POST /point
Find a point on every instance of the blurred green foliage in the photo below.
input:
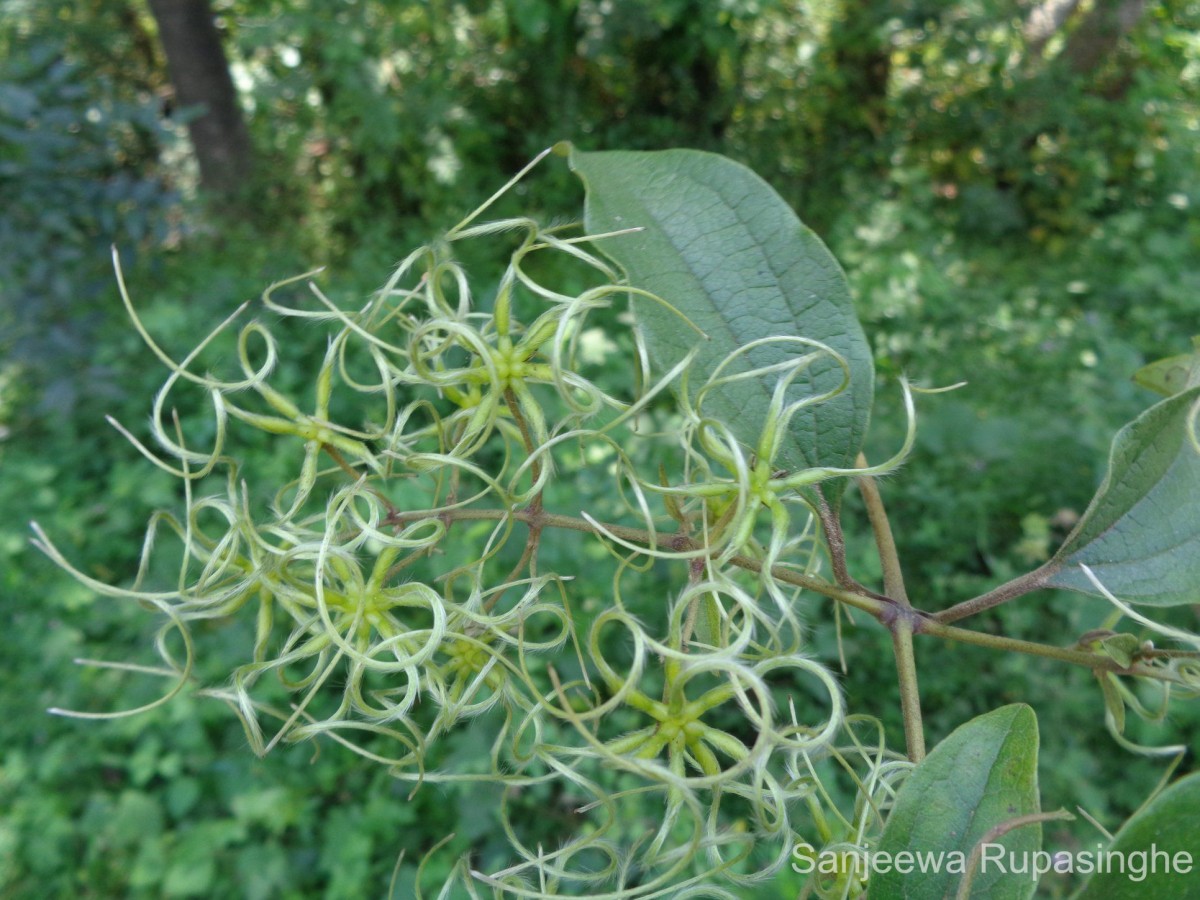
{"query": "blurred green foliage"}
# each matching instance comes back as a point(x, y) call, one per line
point(78, 173)
point(1004, 218)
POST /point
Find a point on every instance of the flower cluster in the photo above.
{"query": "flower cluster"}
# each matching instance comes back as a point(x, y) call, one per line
point(396, 587)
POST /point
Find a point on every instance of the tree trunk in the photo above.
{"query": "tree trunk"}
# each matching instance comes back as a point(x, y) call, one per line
point(1045, 21)
point(200, 75)
point(1097, 36)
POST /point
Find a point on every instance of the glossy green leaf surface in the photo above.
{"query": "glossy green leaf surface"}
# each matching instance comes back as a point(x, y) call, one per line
point(1141, 534)
point(1155, 854)
point(719, 245)
point(981, 776)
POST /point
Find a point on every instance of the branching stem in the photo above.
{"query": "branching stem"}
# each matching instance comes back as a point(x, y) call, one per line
point(1010, 590)
point(902, 625)
point(1100, 662)
point(539, 518)
point(921, 622)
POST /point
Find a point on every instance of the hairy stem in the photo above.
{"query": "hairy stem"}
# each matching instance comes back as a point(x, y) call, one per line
point(893, 576)
point(921, 622)
point(541, 519)
point(1097, 662)
point(910, 695)
point(1010, 590)
point(835, 541)
point(902, 626)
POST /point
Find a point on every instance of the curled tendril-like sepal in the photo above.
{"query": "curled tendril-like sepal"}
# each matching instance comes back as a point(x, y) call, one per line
point(397, 578)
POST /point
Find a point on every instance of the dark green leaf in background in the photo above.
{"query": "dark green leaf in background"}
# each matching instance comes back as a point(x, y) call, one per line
point(983, 775)
point(723, 248)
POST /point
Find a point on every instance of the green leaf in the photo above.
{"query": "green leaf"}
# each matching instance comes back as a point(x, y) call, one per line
point(1121, 648)
point(1166, 832)
point(1171, 375)
point(1141, 534)
point(723, 248)
point(983, 775)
